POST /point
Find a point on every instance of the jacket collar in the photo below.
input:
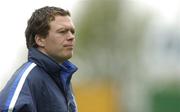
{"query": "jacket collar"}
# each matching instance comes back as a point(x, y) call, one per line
point(49, 64)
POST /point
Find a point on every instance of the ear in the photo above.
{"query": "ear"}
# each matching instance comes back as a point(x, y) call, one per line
point(40, 41)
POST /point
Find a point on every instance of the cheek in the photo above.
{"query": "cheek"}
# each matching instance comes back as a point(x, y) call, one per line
point(57, 41)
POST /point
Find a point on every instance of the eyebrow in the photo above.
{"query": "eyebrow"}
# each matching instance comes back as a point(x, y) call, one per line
point(66, 28)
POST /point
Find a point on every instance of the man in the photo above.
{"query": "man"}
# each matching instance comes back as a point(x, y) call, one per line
point(43, 83)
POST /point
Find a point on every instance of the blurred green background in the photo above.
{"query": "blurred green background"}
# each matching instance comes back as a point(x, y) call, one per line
point(128, 56)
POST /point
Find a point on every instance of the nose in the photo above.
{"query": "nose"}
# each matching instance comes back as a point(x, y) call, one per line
point(70, 35)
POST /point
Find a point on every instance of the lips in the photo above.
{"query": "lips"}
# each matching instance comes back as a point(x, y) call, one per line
point(68, 45)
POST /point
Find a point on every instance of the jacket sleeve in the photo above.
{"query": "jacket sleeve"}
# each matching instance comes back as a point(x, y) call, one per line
point(25, 101)
point(22, 102)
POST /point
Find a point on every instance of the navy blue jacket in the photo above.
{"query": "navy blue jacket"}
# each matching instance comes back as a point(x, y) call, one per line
point(39, 85)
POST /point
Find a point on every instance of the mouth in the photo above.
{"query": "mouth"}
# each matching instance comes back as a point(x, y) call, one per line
point(69, 46)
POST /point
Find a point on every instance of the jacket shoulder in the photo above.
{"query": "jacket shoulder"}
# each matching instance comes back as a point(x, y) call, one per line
point(37, 76)
point(11, 91)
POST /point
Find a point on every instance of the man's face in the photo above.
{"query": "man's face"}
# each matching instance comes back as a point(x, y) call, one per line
point(60, 40)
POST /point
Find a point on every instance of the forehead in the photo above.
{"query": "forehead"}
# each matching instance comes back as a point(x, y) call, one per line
point(62, 21)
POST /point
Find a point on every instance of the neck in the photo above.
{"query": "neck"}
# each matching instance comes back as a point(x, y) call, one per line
point(55, 59)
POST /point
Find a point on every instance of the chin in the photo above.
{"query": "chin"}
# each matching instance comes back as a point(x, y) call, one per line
point(68, 56)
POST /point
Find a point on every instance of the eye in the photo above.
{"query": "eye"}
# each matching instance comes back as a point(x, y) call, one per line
point(63, 31)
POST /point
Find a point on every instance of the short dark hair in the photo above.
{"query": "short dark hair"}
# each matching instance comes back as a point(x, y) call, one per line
point(39, 23)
